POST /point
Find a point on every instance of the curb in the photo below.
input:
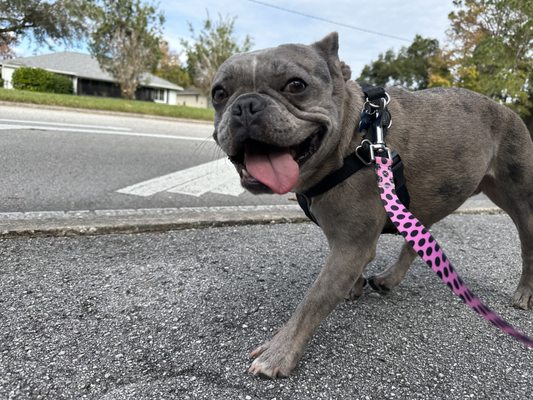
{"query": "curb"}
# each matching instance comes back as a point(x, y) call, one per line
point(58, 223)
point(101, 222)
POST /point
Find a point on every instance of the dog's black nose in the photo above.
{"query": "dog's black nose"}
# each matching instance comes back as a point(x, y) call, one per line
point(247, 107)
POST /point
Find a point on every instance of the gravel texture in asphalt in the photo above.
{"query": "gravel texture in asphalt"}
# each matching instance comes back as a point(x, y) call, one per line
point(174, 315)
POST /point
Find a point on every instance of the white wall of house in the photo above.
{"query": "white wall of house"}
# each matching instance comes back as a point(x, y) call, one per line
point(7, 76)
point(172, 97)
point(74, 84)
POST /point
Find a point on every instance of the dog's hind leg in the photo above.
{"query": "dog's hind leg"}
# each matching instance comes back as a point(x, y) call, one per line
point(523, 296)
point(510, 186)
point(519, 206)
point(392, 276)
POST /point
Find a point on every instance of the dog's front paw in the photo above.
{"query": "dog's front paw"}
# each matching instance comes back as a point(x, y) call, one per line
point(274, 359)
point(523, 297)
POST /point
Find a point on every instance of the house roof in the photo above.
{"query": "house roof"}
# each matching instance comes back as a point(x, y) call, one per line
point(83, 66)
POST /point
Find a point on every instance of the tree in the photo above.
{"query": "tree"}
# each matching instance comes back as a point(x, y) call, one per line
point(492, 50)
point(418, 66)
point(126, 41)
point(213, 45)
point(170, 67)
point(45, 22)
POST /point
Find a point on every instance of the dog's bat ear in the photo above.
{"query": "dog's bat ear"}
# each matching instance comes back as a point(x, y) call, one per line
point(328, 46)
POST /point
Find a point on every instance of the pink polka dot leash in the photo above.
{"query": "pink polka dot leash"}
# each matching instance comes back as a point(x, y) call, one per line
point(421, 240)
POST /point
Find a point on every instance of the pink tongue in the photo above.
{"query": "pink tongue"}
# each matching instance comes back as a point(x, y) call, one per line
point(277, 170)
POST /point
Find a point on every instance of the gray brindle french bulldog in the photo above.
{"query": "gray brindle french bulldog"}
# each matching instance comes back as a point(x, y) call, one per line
point(287, 117)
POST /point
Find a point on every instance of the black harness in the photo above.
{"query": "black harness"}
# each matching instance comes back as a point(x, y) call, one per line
point(374, 122)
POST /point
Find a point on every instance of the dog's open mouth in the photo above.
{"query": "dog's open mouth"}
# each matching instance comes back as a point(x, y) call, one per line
point(266, 168)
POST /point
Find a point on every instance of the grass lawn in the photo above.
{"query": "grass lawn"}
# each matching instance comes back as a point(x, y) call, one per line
point(103, 103)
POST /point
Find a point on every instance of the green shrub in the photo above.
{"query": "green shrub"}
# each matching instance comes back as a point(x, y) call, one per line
point(33, 79)
point(60, 84)
point(1, 82)
point(40, 80)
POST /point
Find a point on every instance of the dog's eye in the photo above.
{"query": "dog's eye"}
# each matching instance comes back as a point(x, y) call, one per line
point(219, 95)
point(295, 86)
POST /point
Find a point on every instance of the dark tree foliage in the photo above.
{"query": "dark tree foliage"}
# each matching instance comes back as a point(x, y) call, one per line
point(412, 66)
point(45, 22)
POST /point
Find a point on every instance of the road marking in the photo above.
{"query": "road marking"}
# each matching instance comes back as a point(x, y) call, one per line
point(9, 127)
point(22, 121)
point(104, 132)
point(218, 176)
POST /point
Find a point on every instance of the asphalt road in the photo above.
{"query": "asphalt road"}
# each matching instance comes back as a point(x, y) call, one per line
point(173, 316)
point(63, 160)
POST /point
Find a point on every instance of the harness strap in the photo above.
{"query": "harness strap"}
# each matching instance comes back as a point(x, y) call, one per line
point(421, 240)
point(351, 165)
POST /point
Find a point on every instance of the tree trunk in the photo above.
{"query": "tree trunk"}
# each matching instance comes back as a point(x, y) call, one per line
point(128, 92)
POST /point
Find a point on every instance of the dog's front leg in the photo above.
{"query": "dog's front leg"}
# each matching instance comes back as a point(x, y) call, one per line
point(279, 356)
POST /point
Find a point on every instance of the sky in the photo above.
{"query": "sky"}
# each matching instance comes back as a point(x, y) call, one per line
point(270, 26)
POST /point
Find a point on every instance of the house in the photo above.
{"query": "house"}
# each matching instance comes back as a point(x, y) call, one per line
point(192, 97)
point(89, 79)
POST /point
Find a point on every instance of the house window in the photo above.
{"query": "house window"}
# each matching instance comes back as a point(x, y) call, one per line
point(158, 94)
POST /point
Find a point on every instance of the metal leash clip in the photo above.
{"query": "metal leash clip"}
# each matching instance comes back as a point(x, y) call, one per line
point(372, 116)
point(371, 149)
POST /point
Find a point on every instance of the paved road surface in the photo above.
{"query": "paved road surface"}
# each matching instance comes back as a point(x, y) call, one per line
point(173, 316)
point(55, 160)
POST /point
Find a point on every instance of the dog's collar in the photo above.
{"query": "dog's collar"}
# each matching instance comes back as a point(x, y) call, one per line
point(374, 130)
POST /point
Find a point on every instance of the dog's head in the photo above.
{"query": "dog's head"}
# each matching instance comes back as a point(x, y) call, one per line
point(278, 112)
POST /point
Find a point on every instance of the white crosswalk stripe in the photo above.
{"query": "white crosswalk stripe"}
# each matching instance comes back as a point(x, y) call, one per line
point(217, 176)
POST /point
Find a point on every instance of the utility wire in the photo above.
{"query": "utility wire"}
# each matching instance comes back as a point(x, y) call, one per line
point(329, 21)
